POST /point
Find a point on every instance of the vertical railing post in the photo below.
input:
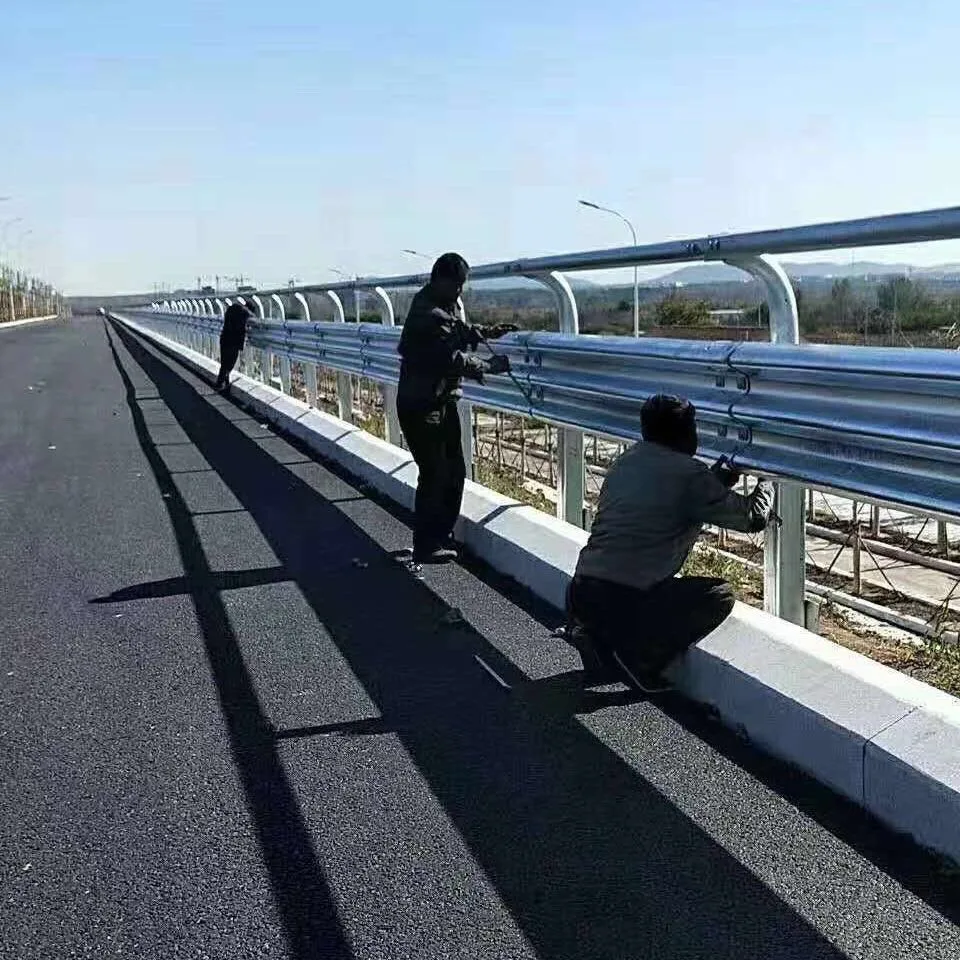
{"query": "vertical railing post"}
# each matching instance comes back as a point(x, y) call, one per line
point(309, 369)
point(284, 362)
point(344, 380)
point(250, 353)
point(389, 390)
point(785, 543)
point(570, 477)
point(465, 410)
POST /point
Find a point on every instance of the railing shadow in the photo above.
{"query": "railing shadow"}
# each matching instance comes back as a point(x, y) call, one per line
point(589, 858)
point(302, 896)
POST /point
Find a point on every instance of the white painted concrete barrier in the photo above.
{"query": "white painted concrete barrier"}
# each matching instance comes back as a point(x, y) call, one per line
point(10, 324)
point(886, 741)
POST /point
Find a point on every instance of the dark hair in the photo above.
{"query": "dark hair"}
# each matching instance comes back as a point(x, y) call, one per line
point(450, 266)
point(238, 311)
point(671, 422)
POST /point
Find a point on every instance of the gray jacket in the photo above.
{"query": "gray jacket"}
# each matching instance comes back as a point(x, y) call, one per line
point(653, 506)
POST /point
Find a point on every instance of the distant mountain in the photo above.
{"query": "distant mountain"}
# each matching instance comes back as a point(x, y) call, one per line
point(705, 273)
point(519, 282)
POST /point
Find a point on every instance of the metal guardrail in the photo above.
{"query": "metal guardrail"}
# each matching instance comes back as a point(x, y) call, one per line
point(872, 422)
point(879, 424)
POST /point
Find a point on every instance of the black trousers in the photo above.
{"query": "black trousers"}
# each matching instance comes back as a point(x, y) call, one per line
point(648, 628)
point(433, 437)
point(230, 348)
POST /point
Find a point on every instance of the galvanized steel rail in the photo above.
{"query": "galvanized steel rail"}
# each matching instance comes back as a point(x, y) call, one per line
point(881, 424)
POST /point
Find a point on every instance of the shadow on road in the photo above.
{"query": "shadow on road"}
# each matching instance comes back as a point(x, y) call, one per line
point(303, 898)
point(590, 859)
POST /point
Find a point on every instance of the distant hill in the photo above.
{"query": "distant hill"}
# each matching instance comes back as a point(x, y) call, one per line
point(519, 282)
point(709, 273)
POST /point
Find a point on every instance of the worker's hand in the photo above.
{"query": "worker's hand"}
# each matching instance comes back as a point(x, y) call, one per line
point(501, 330)
point(726, 473)
point(498, 364)
point(472, 336)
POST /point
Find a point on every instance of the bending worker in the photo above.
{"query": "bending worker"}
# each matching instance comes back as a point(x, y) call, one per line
point(629, 614)
point(435, 351)
point(231, 340)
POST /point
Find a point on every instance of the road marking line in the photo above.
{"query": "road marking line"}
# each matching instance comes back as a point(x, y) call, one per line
point(493, 673)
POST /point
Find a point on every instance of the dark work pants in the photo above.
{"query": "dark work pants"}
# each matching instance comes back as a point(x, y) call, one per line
point(648, 628)
point(433, 437)
point(230, 348)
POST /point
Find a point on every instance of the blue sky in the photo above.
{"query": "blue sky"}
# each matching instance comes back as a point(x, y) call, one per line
point(152, 143)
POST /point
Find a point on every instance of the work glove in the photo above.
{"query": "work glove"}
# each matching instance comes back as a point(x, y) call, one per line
point(472, 336)
point(498, 364)
point(726, 473)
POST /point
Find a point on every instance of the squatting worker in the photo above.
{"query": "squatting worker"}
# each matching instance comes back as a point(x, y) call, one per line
point(435, 354)
point(231, 340)
point(629, 614)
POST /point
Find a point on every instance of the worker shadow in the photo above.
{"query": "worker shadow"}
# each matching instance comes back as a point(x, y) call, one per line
point(564, 695)
point(590, 859)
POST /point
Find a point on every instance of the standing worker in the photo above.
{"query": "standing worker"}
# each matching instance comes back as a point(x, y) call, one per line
point(434, 358)
point(231, 340)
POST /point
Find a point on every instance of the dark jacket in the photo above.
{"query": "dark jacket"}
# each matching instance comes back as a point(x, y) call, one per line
point(434, 355)
point(235, 324)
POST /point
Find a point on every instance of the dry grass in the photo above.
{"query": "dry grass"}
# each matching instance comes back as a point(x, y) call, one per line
point(935, 663)
point(508, 483)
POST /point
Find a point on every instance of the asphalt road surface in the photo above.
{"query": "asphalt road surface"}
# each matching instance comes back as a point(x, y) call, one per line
point(232, 725)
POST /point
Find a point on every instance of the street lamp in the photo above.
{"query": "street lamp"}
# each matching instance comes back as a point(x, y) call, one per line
point(636, 282)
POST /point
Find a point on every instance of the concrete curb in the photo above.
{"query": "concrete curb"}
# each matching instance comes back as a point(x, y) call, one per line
point(10, 324)
point(886, 741)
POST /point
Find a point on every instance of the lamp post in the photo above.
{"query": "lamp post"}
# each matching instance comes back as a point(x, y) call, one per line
point(636, 282)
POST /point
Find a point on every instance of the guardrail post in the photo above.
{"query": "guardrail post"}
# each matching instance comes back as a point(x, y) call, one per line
point(217, 311)
point(344, 380)
point(249, 353)
point(570, 479)
point(465, 411)
point(389, 390)
point(309, 369)
point(784, 549)
point(211, 332)
point(285, 373)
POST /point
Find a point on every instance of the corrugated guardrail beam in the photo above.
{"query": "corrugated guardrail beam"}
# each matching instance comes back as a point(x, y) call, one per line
point(879, 423)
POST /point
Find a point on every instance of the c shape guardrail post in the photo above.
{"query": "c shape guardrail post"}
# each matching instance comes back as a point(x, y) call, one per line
point(218, 314)
point(784, 548)
point(390, 419)
point(211, 336)
point(571, 474)
point(465, 410)
point(309, 369)
point(285, 376)
point(250, 353)
point(302, 300)
point(344, 380)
